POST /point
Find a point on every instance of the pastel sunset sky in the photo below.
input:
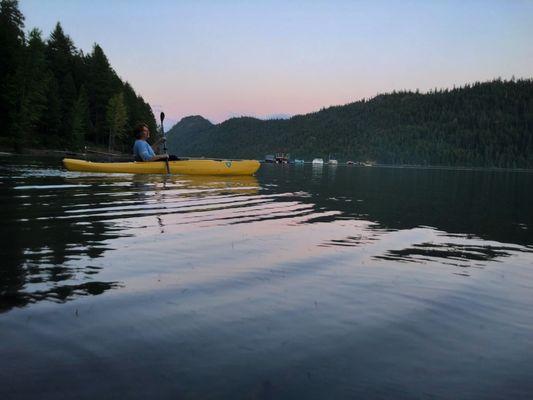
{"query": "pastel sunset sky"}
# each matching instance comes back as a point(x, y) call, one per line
point(267, 58)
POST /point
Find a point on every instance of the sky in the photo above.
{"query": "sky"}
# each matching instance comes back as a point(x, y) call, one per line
point(222, 59)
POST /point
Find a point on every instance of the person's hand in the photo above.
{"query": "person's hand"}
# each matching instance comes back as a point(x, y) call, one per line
point(161, 157)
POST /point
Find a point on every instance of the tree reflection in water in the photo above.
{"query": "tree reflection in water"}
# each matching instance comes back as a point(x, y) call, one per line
point(55, 223)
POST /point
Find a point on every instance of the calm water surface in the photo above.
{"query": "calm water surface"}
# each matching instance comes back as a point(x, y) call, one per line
point(300, 283)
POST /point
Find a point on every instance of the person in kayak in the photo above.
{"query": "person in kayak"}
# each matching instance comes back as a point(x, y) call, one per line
point(142, 151)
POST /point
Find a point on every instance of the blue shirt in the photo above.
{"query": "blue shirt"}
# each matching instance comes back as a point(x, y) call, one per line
point(142, 150)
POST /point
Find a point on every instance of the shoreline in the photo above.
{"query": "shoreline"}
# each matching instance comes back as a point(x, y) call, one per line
point(97, 152)
point(109, 156)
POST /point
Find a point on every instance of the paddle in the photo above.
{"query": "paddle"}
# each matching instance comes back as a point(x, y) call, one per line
point(162, 117)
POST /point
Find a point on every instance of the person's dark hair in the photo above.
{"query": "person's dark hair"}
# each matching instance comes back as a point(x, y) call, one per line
point(138, 131)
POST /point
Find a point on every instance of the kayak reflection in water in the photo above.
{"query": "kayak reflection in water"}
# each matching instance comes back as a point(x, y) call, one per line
point(142, 151)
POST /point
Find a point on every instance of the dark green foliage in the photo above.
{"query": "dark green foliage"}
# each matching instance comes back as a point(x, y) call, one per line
point(61, 52)
point(103, 84)
point(11, 49)
point(116, 118)
point(53, 95)
point(51, 123)
point(184, 131)
point(68, 95)
point(80, 119)
point(486, 124)
point(26, 91)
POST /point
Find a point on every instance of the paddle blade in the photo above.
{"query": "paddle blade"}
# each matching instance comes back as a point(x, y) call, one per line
point(162, 117)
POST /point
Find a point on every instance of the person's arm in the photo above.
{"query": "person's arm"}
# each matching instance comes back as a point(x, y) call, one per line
point(148, 155)
point(158, 142)
point(161, 139)
point(159, 157)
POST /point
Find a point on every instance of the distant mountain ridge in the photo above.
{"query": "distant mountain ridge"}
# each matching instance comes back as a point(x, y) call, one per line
point(484, 124)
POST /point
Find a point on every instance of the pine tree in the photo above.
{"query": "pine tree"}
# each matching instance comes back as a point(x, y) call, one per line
point(60, 52)
point(68, 95)
point(80, 119)
point(101, 86)
point(132, 103)
point(116, 117)
point(27, 91)
point(11, 52)
point(61, 55)
point(51, 123)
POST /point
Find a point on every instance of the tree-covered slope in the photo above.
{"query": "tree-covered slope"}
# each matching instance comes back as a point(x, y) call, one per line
point(484, 124)
point(53, 95)
point(188, 126)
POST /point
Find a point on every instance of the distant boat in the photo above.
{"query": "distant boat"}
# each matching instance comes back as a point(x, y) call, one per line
point(350, 163)
point(269, 158)
point(281, 158)
point(333, 162)
point(297, 161)
point(318, 161)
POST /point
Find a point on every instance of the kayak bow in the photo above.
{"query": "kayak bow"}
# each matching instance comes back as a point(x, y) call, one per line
point(187, 167)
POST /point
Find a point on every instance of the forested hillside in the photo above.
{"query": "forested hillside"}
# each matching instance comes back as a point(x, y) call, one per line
point(53, 95)
point(484, 124)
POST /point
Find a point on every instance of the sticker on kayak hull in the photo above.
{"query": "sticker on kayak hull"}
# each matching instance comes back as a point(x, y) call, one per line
point(228, 164)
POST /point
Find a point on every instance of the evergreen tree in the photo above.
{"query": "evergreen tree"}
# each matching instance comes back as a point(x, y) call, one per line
point(61, 52)
point(11, 52)
point(117, 117)
point(132, 103)
point(80, 119)
point(61, 55)
point(68, 96)
point(27, 91)
point(50, 125)
point(102, 84)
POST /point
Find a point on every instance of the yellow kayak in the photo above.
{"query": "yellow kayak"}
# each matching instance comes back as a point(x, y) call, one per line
point(187, 167)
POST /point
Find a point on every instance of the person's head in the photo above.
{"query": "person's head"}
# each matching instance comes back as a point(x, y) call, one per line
point(142, 132)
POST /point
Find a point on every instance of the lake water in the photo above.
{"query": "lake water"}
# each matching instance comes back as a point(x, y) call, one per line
point(300, 283)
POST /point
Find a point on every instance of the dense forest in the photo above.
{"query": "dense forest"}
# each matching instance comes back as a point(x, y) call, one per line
point(52, 95)
point(486, 124)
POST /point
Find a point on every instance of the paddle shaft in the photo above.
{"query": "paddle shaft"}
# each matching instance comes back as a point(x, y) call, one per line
point(162, 117)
